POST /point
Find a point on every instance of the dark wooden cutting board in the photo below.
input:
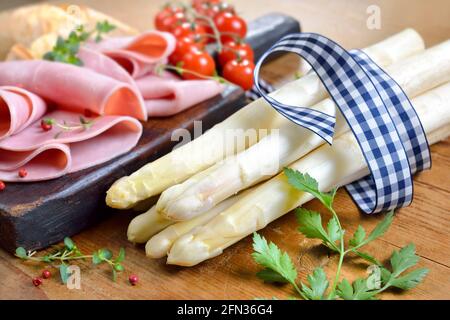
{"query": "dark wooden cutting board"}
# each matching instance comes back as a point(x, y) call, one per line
point(37, 215)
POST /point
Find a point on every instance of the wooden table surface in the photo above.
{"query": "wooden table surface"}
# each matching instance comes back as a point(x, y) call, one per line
point(232, 275)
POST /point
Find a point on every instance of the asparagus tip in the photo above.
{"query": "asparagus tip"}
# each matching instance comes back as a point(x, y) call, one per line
point(187, 252)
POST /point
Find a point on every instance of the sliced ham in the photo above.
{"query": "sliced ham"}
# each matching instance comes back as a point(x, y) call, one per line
point(124, 60)
point(48, 155)
point(138, 55)
point(165, 97)
point(117, 83)
point(48, 162)
point(103, 64)
point(18, 109)
point(73, 88)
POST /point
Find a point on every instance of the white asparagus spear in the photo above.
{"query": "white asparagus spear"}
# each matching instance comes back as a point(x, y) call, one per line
point(159, 245)
point(189, 159)
point(331, 166)
point(263, 160)
point(145, 225)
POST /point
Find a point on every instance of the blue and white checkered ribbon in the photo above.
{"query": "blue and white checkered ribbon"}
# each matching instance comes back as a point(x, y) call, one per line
point(377, 111)
point(254, 93)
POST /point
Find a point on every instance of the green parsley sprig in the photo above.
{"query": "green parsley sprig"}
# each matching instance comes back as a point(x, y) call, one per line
point(278, 266)
point(65, 126)
point(60, 258)
point(101, 29)
point(66, 50)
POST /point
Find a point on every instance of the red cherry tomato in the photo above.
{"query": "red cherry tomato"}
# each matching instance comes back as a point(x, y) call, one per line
point(220, 7)
point(209, 34)
point(240, 73)
point(231, 26)
point(182, 47)
point(191, 30)
point(212, 9)
point(171, 21)
point(233, 50)
point(202, 6)
point(167, 12)
point(199, 62)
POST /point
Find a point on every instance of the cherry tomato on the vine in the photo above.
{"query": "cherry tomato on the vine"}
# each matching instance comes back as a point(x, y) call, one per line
point(231, 26)
point(214, 9)
point(182, 47)
point(167, 12)
point(240, 72)
point(169, 22)
point(191, 30)
point(199, 62)
point(202, 6)
point(209, 34)
point(233, 50)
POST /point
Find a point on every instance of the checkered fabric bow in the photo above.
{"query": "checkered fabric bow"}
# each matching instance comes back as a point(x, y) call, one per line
point(377, 111)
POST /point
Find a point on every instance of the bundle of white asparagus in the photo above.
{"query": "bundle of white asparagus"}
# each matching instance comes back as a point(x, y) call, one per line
point(204, 209)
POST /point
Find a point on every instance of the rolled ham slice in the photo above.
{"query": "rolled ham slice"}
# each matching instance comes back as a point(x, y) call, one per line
point(45, 163)
point(103, 64)
point(164, 94)
point(169, 96)
point(49, 155)
point(126, 60)
point(18, 109)
point(73, 88)
point(138, 55)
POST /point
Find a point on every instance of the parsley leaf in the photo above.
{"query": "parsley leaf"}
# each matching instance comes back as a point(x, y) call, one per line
point(304, 182)
point(403, 259)
point(358, 237)
point(382, 227)
point(410, 280)
point(64, 273)
point(121, 257)
point(367, 257)
point(357, 291)
point(310, 224)
point(105, 254)
point(272, 258)
point(318, 284)
point(69, 243)
point(21, 253)
point(269, 275)
point(103, 28)
point(334, 231)
point(66, 50)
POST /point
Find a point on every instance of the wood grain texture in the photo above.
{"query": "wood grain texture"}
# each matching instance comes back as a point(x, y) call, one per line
point(232, 275)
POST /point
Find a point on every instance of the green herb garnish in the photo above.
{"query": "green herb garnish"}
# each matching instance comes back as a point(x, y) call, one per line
point(66, 50)
point(60, 258)
point(280, 268)
point(103, 28)
point(66, 126)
